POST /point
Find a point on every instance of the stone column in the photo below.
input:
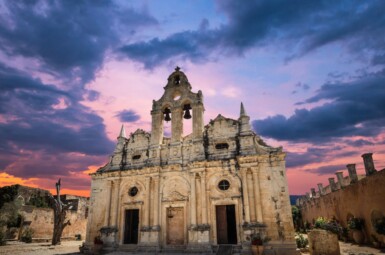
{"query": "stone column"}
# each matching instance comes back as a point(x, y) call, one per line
point(332, 184)
point(117, 195)
point(146, 221)
point(193, 203)
point(320, 189)
point(257, 197)
point(156, 201)
point(156, 127)
point(313, 194)
point(352, 173)
point(340, 178)
point(176, 125)
point(108, 210)
point(197, 118)
point(245, 195)
point(203, 198)
point(368, 162)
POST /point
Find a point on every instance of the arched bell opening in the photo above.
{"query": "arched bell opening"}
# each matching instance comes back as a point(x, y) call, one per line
point(166, 121)
point(187, 118)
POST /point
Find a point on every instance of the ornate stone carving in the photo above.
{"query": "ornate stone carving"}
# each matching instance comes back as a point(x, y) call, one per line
point(174, 196)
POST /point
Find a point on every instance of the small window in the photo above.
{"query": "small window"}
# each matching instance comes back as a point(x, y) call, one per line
point(136, 157)
point(221, 146)
point(133, 191)
point(224, 185)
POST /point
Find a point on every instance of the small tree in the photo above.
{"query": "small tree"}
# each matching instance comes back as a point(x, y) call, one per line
point(26, 236)
point(60, 212)
point(297, 217)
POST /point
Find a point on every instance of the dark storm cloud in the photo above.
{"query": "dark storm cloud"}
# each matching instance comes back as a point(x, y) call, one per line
point(44, 129)
point(327, 170)
point(299, 27)
point(356, 108)
point(34, 125)
point(185, 45)
point(70, 38)
point(127, 116)
point(359, 143)
point(312, 155)
point(317, 155)
point(42, 164)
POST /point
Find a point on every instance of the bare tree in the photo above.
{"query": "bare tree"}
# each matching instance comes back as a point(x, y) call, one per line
point(60, 211)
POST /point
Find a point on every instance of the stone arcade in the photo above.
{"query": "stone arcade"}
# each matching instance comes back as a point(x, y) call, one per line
point(219, 185)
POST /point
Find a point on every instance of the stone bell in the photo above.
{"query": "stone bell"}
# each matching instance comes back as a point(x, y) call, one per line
point(167, 114)
point(187, 114)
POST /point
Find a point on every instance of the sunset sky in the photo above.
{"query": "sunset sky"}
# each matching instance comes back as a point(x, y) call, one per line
point(311, 75)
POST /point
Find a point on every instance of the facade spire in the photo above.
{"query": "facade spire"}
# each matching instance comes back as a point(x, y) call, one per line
point(243, 112)
point(122, 132)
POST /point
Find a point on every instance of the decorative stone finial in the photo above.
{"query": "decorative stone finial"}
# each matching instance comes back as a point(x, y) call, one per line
point(368, 162)
point(352, 172)
point(332, 184)
point(320, 188)
point(340, 178)
point(122, 132)
point(177, 68)
point(313, 193)
point(243, 112)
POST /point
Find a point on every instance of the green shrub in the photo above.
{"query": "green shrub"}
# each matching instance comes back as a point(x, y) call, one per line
point(8, 194)
point(355, 223)
point(14, 220)
point(334, 227)
point(329, 225)
point(26, 236)
point(301, 241)
point(379, 226)
point(320, 222)
point(38, 201)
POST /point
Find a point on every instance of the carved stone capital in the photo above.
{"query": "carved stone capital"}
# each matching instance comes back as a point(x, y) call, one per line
point(253, 225)
point(199, 227)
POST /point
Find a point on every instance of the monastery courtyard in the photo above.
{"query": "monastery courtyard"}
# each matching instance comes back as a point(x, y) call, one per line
point(72, 248)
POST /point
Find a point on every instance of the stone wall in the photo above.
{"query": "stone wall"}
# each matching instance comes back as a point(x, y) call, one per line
point(41, 219)
point(363, 198)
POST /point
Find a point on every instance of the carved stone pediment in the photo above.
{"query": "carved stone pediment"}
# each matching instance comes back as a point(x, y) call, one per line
point(174, 196)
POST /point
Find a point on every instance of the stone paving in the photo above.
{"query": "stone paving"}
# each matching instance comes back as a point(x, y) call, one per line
point(72, 248)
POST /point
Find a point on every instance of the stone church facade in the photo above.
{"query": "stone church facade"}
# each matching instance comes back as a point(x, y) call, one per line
point(219, 185)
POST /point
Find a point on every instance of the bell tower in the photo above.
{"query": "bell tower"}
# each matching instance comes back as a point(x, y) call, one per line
point(177, 103)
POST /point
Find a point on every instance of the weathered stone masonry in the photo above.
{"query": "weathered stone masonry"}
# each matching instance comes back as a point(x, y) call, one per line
point(218, 185)
point(352, 195)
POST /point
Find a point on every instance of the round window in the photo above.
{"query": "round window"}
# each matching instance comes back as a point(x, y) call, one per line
point(224, 185)
point(133, 191)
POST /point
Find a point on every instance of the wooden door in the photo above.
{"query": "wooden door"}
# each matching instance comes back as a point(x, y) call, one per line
point(221, 224)
point(175, 226)
point(226, 224)
point(131, 227)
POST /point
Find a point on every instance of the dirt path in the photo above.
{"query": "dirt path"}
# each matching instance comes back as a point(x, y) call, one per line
point(20, 248)
point(354, 249)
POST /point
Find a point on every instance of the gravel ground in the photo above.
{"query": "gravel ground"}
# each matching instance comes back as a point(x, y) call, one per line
point(20, 248)
point(72, 248)
point(354, 249)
